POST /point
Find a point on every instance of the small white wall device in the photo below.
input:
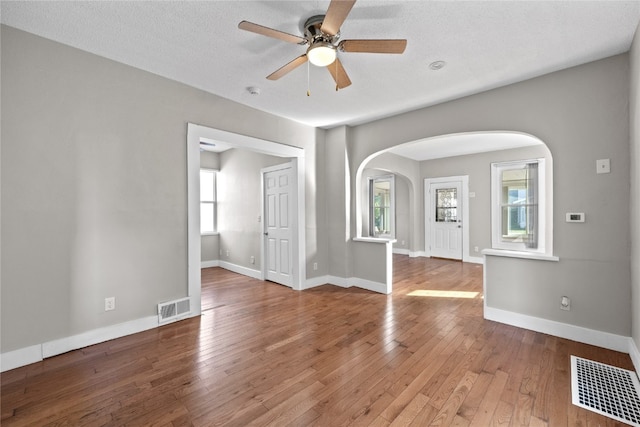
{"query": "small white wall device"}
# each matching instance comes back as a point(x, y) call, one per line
point(575, 217)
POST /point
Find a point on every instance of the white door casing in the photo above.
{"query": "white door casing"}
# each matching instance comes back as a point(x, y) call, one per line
point(279, 222)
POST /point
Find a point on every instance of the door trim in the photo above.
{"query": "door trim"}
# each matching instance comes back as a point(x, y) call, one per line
point(464, 179)
point(194, 134)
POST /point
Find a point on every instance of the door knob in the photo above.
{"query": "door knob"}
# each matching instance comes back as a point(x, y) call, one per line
point(266, 233)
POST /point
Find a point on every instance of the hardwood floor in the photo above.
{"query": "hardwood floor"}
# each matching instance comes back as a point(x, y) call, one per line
point(262, 354)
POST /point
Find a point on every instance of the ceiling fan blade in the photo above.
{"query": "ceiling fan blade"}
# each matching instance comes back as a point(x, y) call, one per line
point(270, 32)
point(335, 16)
point(339, 74)
point(288, 67)
point(374, 46)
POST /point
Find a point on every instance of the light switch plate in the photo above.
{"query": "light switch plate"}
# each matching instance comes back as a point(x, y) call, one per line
point(603, 166)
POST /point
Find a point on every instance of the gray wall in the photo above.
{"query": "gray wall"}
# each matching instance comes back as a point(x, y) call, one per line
point(582, 115)
point(94, 185)
point(209, 244)
point(239, 194)
point(634, 114)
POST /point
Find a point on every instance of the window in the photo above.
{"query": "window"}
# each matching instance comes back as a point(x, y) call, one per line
point(518, 205)
point(447, 205)
point(381, 207)
point(207, 201)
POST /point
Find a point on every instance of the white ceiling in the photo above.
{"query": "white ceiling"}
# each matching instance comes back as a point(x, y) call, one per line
point(463, 144)
point(485, 44)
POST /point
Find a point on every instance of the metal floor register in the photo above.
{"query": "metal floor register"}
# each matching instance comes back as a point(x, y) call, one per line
point(607, 390)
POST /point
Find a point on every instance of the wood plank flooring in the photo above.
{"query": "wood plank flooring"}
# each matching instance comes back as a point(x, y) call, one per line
point(264, 355)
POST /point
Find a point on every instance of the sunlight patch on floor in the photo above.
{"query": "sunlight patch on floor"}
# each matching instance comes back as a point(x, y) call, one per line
point(443, 294)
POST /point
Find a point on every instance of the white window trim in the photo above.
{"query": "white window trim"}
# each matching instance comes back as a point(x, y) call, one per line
point(391, 179)
point(496, 229)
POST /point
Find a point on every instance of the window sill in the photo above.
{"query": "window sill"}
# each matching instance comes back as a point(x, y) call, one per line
point(374, 240)
point(518, 254)
point(214, 233)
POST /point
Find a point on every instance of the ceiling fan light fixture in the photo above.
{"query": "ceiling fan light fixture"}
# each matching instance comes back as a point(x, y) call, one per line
point(321, 54)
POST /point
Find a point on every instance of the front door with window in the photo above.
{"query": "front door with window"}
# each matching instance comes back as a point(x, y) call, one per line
point(446, 219)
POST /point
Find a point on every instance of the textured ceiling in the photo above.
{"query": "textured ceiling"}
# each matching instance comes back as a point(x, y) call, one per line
point(485, 44)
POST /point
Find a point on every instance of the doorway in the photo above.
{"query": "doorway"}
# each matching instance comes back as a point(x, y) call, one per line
point(195, 133)
point(446, 213)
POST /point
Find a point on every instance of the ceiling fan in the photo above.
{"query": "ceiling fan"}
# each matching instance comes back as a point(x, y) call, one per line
point(322, 35)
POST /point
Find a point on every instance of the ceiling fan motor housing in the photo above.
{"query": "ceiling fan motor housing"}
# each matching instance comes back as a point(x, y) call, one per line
point(313, 33)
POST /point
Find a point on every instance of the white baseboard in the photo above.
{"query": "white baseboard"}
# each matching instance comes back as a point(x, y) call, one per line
point(635, 355)
point(21, 357)
point(315, 281)
point(474, 259)
point(256, 274)
point(401, 251)
point(415, 254)
point(558, 329)
point(208, 264)
point(35, 353)
point(95, 336)
point(344, 282)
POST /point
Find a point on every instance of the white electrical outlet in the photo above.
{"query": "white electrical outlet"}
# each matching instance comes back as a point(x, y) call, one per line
point(109, 303)
point(253, 260)
point(603, 166)
point(315, 265)
point(475, 249)
point(227, 253)
point(565, 303)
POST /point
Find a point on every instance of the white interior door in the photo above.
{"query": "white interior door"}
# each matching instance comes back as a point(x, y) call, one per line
point(278, 225)
point(446, 219)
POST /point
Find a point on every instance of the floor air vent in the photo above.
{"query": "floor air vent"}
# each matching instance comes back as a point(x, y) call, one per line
point(607, 390)
point(173, 310)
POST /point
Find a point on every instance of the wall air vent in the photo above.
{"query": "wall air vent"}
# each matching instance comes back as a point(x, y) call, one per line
point(173, 310)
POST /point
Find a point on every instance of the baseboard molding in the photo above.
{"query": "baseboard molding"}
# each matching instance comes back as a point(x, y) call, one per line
point(575, 333)
point(635, 355)
point(315, 281)
point(416, 254)
point(36, 353)
point(474, 259)
point(208, 264)
point(256, 274)
point(21, 357)
point(344, 282)
point(401, 251)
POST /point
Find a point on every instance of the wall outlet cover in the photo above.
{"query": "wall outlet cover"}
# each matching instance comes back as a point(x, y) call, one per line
point(603, 166)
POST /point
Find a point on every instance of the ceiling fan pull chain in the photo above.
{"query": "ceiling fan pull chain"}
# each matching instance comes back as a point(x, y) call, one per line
point(308, 81)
